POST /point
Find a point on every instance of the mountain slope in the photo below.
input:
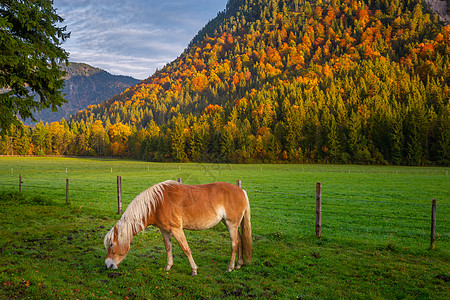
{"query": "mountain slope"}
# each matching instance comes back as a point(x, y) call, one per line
point(277, 80)
point(360, 81)
point(84, 86)
point(441, 9)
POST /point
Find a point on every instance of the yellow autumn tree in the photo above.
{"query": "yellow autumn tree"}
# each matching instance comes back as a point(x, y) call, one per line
point(119, 134)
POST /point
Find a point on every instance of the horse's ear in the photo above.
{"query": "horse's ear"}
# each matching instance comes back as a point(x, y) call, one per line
point(116, 231)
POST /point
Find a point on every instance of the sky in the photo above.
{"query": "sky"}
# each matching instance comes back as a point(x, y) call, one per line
point(132, 37)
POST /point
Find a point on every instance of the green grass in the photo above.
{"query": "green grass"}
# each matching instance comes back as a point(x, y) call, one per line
point(374, 245)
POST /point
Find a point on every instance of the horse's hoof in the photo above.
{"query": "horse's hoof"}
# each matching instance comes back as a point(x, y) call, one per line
point(194, 273)
point(230, 269)
point(167, 268)
point(238, 267)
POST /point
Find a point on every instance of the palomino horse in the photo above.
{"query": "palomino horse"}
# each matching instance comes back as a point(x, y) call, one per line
point(172, 207)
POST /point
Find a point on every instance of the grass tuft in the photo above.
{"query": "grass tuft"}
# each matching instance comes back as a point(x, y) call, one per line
point(391, 247)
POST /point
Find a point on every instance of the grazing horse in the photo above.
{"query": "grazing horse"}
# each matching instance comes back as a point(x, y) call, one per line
point(172, 207)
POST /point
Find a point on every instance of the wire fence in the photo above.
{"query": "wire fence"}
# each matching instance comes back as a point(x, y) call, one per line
point(343, 212)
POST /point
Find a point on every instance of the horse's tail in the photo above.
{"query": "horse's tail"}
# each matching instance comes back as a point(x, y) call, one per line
point(246, 233)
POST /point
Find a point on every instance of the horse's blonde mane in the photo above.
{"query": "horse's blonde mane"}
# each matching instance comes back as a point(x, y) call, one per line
point(134, 217)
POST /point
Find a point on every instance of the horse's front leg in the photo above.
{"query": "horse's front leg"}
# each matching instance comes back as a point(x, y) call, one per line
point(168, 244)
point(181, 239)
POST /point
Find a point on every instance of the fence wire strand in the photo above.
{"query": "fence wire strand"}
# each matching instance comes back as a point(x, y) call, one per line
point(330, 206)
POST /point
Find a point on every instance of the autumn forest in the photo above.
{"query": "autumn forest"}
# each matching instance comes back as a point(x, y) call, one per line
point(340, 81)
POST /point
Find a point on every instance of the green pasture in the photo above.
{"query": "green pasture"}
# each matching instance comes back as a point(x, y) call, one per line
point(374, 245)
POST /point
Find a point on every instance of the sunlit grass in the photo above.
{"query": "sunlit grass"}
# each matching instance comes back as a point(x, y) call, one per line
point(374, 244)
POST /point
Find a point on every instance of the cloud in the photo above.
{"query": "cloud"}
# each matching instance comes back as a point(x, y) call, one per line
point(132, 37)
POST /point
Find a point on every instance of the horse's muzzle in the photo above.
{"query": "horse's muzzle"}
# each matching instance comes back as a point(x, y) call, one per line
point(110, 264)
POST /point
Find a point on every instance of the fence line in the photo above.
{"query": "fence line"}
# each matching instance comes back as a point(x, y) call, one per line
point(318, 227)
point(22, 185)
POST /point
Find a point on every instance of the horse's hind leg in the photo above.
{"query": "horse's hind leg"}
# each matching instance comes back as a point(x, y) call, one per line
point(181, 239)
point(240, 262)
point(168, 244)
point(235, 243)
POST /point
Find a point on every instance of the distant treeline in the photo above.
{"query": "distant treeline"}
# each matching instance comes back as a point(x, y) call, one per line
point(403, 138)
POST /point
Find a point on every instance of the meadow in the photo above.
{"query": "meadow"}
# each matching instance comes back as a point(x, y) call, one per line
point(375, 241)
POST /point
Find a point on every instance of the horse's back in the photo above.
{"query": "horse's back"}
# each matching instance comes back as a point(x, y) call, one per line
point(203, 206)
point(217, 193)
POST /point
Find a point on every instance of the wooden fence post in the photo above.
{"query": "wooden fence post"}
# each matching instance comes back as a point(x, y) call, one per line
point(20, 183)
point(318, 209)
point(433, 224)
point(239, 183)
point(180, 180)
point(67, 190)
point(119, 194)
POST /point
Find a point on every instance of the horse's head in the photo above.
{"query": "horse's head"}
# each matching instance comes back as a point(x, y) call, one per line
point(116, 251)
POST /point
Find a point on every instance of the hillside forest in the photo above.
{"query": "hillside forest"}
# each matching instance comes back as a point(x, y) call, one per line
point(339, 81)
